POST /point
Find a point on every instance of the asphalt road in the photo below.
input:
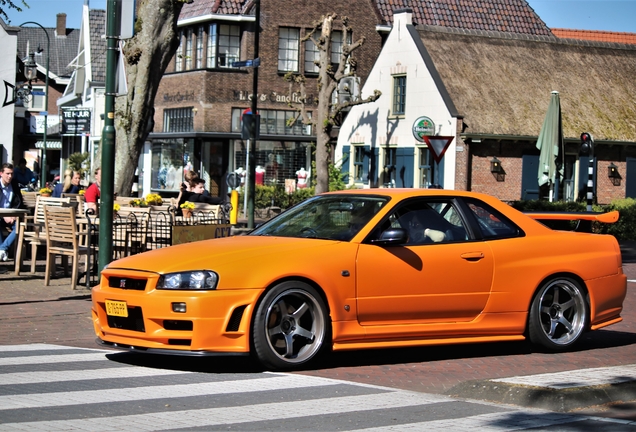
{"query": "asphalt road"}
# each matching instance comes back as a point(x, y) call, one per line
point(33, 313)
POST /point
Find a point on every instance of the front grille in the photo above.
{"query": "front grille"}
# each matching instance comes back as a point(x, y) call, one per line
point(183, 342)
point(235, 319)
point(177, 325)
point(127, 283)
point(134, 321)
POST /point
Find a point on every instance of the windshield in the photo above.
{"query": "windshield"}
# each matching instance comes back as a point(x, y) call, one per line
point(332, 217)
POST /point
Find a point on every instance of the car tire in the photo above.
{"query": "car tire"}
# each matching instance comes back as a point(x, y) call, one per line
point(559, 314)
point(291, 326)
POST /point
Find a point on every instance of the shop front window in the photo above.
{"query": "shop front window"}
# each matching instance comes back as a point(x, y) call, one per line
point(169, 159)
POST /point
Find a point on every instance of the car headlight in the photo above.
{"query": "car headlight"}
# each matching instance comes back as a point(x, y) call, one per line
point(191, 280)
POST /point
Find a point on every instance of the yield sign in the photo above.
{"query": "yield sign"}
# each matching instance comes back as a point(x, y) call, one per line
point(438, 145)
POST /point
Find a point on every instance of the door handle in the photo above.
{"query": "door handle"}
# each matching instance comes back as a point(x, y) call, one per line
point(472, 256)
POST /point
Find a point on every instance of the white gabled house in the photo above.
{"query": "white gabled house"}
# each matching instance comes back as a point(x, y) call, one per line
point(380, 144)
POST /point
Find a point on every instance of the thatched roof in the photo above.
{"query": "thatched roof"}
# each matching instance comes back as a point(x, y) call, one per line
point(501, 83)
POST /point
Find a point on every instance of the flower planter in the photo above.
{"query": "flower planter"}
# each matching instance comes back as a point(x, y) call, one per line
point(186, 212)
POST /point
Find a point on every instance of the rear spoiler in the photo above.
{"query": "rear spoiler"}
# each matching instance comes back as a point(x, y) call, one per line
point(607, 218)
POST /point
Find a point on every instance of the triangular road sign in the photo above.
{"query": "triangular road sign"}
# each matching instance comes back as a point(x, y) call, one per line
point(438, 145)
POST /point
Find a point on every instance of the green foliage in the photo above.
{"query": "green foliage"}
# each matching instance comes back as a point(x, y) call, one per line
point(78, 162)
point(625, 227)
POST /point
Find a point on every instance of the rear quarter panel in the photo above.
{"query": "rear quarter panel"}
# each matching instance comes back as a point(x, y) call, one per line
point(523, 264)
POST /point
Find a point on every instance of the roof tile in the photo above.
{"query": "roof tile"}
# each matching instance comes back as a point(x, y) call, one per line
point(595, 35)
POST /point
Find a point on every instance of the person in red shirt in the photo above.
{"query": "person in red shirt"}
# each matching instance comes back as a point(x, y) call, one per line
point(91, 196)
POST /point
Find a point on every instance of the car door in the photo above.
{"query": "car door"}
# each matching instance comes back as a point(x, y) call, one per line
point(425, 280)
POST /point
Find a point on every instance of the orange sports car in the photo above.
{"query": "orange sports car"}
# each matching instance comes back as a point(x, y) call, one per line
point(373, 268)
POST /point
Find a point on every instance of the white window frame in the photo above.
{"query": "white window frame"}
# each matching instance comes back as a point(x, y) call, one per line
point(288, 49)
point(36, 102)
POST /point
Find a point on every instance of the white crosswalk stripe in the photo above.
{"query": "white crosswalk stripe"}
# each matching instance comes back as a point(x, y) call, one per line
point(79, 375)
point(38, 393)
point(159, 392)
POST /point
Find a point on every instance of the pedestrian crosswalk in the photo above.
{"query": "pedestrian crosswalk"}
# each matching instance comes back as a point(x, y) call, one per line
point(50, 387)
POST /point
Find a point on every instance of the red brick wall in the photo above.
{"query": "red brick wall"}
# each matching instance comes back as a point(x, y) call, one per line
point(215, 92)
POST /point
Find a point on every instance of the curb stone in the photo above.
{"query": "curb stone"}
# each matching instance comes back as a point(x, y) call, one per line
point(559, 400)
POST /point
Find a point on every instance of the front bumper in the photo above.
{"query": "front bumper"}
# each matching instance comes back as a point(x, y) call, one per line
point(216, 321)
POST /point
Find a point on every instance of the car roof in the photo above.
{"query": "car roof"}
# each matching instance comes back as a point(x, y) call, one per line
point(411, 192)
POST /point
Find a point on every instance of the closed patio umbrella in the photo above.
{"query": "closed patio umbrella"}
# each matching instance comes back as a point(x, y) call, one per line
point(550, 143)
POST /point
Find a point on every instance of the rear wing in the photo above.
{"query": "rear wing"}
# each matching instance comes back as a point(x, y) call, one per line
point(608, 218)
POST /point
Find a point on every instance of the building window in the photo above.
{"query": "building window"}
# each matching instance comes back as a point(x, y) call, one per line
point(389, 167)
point(358, 164)
point(274, 122)
point(312, 55)
point(425, 168)
point(36, 102)
point(229, 45)
point(178, 120)
point(288, 44)
point(168, 163)
point(188, 49)
point(178, 58)
point(199, 56)
point(224, 45)
point(336, 46)
point(399, 95)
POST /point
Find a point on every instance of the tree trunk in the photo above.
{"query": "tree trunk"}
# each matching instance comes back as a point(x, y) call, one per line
point(146, 56)
point(326, 86)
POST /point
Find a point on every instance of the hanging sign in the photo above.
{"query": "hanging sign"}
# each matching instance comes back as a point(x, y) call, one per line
point(76, 121)
point(423, 126)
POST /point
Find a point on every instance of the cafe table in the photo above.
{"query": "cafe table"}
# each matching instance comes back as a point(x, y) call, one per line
point(21, 215)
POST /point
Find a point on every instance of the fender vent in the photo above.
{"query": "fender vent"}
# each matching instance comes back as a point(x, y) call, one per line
point(235, 319)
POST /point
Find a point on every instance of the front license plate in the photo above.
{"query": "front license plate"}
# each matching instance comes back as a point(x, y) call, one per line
point(116, 308)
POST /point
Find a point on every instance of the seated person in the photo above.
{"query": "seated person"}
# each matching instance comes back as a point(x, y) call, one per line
point(418, 233)
point(22, 174)
point(70, 184)
point(93, 192)
point(197, 195)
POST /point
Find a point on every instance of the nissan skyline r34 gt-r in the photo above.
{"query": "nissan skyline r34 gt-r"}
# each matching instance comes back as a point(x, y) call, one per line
point(373, 268)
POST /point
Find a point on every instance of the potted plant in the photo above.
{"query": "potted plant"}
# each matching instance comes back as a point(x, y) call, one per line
point(45, 192)
point(154, 199)
point(116, 208)
point(186, 209)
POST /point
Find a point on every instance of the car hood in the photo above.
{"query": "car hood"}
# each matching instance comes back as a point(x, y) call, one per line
point(215, 253)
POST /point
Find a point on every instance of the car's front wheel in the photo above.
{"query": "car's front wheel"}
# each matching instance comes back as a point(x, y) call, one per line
point(558, 315)
point(290, 326)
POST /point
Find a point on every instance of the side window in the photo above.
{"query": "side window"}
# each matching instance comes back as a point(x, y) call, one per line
point(492, 224)
point(430, 221)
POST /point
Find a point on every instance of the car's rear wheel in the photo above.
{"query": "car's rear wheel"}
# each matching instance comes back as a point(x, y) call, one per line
point(290, 326)
point(558, 315)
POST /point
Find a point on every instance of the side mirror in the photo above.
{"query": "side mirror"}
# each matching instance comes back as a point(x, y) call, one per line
point(392, 236)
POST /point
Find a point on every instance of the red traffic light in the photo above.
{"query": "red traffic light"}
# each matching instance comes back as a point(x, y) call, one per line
point(587, 144)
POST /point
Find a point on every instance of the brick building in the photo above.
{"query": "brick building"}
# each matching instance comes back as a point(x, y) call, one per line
point(202, 96)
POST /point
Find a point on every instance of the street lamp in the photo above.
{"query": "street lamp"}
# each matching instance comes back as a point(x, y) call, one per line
point(30, 74)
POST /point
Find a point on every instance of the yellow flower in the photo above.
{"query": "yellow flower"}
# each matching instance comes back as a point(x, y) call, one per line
point(116, 207)
point(45, 190)
point(154, 199)
point(187, 205)
point(82, 192)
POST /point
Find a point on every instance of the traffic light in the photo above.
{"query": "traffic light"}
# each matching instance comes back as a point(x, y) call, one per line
point(587, 144)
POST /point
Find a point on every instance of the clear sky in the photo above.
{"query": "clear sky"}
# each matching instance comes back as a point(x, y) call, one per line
point(612, 15)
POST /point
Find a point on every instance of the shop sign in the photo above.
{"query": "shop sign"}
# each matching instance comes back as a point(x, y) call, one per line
point(422, 127)
point(76, 122)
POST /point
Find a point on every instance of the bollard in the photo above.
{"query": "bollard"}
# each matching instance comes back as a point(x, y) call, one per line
point(234, 196)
